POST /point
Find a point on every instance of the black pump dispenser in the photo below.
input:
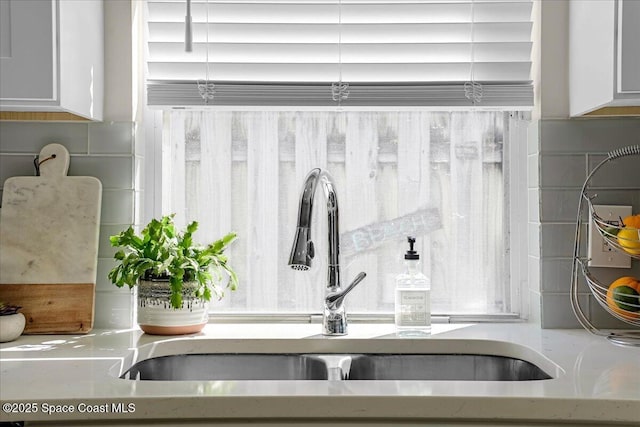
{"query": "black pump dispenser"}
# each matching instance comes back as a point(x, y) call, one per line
point(411, 254)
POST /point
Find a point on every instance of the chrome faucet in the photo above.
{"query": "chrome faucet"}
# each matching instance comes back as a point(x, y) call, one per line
point(334, 318)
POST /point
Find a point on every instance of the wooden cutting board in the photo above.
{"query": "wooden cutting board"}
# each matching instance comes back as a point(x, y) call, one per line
point(49, 228)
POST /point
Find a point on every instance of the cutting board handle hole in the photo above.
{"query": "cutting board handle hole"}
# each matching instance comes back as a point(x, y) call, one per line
point(37, 162)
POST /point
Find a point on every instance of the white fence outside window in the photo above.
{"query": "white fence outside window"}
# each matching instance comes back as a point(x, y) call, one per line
point(437, 175)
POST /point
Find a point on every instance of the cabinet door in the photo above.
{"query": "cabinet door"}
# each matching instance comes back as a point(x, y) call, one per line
point(629, 46)
point(28, 50)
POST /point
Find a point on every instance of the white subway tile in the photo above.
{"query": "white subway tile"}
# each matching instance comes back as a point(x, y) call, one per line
point(117, 207)
point(557, 240)
point(557, 312)
point(623, 172)
point(11, 166)
point(533, 273)
point(111, 138)
point(113, 172)
point(562, 170)
point(30, 137)
point(533, 205)
point(113, 311)
point(533, 239)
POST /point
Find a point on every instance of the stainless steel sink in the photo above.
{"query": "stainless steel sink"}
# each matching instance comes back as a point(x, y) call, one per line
point(453, 367)
point(204, 367)
point(398, 367)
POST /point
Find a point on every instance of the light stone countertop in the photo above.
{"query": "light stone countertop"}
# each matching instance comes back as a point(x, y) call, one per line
point(594, 380)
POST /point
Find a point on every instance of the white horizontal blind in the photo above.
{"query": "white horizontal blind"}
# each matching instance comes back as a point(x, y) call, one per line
point(392, 53)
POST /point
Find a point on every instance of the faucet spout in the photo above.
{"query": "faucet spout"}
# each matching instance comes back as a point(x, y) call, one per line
point(303, 250)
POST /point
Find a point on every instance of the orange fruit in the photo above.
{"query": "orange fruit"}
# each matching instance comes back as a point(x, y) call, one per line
point(632, 221)
point(623, 297)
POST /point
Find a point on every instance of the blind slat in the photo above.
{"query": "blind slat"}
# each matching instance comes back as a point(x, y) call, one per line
point(317, 72)
point(351, 13)
point(351, 53)
point(353, 33)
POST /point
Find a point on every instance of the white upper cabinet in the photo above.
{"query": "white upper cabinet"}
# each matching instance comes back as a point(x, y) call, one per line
point(604, 61)
point(52, 56)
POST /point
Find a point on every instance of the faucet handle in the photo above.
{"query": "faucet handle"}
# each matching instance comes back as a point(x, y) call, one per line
point(334, 300)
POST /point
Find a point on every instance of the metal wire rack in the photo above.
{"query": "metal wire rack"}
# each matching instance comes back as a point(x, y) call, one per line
point(627, 307)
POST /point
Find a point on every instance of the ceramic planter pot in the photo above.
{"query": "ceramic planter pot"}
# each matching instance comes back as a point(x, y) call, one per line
point(156, 315)
point(11, 326)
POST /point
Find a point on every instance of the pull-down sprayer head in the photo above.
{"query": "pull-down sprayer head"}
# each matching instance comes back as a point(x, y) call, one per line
point(302, 251)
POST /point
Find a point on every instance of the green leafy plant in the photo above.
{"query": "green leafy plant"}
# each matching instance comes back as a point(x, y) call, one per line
point(7, 309)
point(162, 252)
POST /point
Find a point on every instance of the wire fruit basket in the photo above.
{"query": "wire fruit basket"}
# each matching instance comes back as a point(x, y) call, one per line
point(624, 306)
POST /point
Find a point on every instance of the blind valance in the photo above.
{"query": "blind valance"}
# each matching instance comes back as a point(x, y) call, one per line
point(389, 53)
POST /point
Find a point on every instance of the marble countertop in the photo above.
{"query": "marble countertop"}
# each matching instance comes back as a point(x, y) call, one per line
point(74, 377)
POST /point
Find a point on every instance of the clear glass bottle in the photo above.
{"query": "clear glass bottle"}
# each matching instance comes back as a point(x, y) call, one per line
point(413, 297)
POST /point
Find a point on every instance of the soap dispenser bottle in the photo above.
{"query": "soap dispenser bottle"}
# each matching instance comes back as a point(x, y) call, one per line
point(413, 297)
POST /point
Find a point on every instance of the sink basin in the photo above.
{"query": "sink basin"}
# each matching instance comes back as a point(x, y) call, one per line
point(398, 367)
point(181, 367)
point(454, 367)
point(204, 359)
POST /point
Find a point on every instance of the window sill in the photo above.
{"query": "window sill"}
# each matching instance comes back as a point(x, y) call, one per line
point(385, 318)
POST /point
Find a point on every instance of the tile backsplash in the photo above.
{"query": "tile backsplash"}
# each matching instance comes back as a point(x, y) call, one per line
point(567, 151)
point(106, 151)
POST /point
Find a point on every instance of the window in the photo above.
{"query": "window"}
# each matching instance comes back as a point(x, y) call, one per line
point(408, 147)
point(439, 176)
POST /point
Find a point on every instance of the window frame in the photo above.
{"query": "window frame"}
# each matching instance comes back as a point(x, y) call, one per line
point(149, 134)
point(515, 180)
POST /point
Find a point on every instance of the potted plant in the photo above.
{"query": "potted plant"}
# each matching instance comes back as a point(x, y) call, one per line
point(176, 278)
point(11, 322)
